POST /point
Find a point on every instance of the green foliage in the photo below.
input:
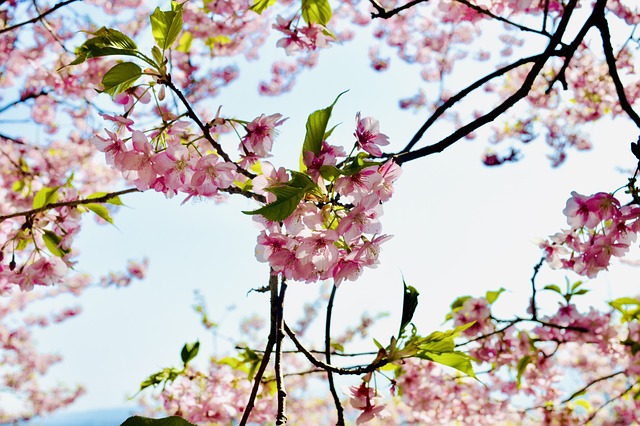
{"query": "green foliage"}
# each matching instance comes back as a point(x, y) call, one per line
point(628, 307)
point(492, 296)
point(260, 6)
point(316, 130)
point(409, 305)
point(521, 368)
point(45, 196)
point(288, 197)
point(120, 78)
point(52, 242)
point(248, 362)
point(571, 289)
point(166, 25)
point(316, 12)
point(146, 421)
point(168, 375)
point(189, 352)
point(106, 42)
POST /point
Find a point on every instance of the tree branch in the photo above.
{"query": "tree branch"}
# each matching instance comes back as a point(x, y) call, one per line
point(384, 14)
point(533, 306)
point(342, 371)
point(501, 19)
point(521, 93)
point(278, 309)
point(73, 203)
point(273, 286)
point(37, 18)
point(327, 356)
point(602, 25)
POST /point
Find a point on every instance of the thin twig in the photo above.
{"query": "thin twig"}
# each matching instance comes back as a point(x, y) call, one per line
point(37, 18)
point(206, 131)
point(327, 356)
point(593, 382)
point(501, 19)
point(533, 306)
point(342, 371)
point(386, 14)
point(72, 203)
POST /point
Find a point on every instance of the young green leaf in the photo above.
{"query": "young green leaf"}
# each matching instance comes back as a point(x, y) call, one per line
point(120, 78)
point(52, 242)
point(45, 196)
point(492, 296)
point(166, 25)
point(260, 6)
point(316, 129)
point(106, 42)
point(101, 211)
point(409, 305)
point(521, 367)
point(316, 12)
point(189, 352)
point(288, 197)
point(454, 359)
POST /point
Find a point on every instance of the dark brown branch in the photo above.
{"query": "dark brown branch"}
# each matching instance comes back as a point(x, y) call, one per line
point(278, 309)
point(603, 26)
point(620, 395)
point(273, 286)
point(386, 14)
point(342, 371)
point(327, 356)
point(533, 306)
point(462, 94)
point(73, 203)
point(520, 94)
point(37, 18)
point(593, 382)
point(501, 19)
point(42, 92)
point(573, 47)
point(206, 131)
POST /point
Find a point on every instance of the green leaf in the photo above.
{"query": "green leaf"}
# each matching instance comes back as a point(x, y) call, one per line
point(146, 421)
point(576, 285)
point(106, 42)
point(316, 11)
point(330, 172)
point(458, 360)
point(101, 211)
point(115, 200)
point(521, 367)
point(553, 287)
point(45, 197)
point(492, 296)
point(189, 352)
point(52, 242)
point(288, 197)
point(260, 6)
point(409, 305)
point(184, 44)
point(120, 78)
point(166, 25)
point(316, 129)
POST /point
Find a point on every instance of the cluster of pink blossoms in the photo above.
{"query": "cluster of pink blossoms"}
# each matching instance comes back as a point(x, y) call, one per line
point(600, 229)
point(337, 235)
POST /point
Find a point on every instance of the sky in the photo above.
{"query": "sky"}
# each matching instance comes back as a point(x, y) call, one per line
point(459, 228)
